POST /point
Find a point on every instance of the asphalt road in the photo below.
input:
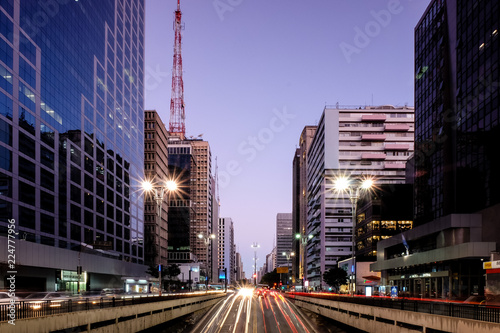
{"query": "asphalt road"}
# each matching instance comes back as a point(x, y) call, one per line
point(245, 312)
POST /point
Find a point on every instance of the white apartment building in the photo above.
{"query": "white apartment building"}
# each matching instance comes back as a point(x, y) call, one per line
point(225, 240)
point(354, 142)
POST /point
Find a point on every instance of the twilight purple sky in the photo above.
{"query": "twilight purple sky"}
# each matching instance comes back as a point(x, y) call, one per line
point(256, 72)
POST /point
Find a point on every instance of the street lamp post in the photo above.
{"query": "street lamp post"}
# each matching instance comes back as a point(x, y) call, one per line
point(158, 193)
point(208, 242)
point(303, 243)
point(255, 246)
point(288, 255)
point(353, 188)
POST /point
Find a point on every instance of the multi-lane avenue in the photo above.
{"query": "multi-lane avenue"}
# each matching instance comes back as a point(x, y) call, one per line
point(245, 311)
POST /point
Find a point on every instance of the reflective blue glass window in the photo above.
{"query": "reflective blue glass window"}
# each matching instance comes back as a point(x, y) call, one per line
point(5, 132)
point(27, 120)
point(89, 111)
point(27, 73)
point(5, 79)
point(6, 54)
point(27, 145)
point(47, 157)
point(6, 26)
point(8, 5)
point(5, 159)
point(27, 48)
point(27, 96)
point(47, 135)
point(89, 128)
point(5, 105)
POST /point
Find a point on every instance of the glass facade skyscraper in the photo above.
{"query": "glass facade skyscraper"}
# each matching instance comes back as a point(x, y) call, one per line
point(457, 55)
point(72, 133)
point(457, 202)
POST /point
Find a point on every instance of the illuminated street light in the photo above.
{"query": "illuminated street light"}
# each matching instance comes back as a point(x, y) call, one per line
point(303, 243)
point(353, 187)
point(158, 194)
point(288, 255)
point(207, 240)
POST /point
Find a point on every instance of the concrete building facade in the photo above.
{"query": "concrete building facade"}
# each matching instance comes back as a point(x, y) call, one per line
point(299, 203)
point(352, 142)
point(225, 242)
point(202, 196)
point(156, 171)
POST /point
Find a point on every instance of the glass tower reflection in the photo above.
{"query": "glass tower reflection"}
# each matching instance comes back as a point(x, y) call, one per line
point(71, 123)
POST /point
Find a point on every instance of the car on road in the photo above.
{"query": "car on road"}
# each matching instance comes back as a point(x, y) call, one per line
point(94, 297)
point(262, 291)
point(5, 297)
point(55, 298)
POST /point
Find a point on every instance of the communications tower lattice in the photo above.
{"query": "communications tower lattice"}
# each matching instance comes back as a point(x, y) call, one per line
point(177, 112)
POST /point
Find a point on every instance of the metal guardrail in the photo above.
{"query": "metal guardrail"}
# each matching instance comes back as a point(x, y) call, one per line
point(26, 310)
point(466, 311)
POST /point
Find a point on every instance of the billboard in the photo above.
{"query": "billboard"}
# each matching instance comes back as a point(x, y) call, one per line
point(280, 270)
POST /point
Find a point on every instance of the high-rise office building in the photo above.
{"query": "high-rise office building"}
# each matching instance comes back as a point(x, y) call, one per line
point(225, 240)
point(181, 166)
point(354, 142)
point(284, 250)
point(71, 149)
point(201, 194)
point(155, 171)
point(212, 270)
point(457, 110)
point(238, 276)
point(299, 202)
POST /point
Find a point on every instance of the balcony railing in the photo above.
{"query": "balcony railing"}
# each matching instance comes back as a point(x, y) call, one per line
point(397, 127)
point(373, 137)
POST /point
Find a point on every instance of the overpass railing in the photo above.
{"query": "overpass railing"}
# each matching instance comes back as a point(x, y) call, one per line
point(25, 309)
point(480, 312)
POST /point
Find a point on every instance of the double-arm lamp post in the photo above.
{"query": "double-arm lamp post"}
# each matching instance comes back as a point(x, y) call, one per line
point(303, 243)
point(288, 255)
point(353, 187)
point(208, 242)
point(158, 191)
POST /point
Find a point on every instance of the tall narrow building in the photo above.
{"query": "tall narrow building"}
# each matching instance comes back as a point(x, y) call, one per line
point(226, 253)
point(374, 141)
point(284, 250)
point(201, 222)
point(181, 167)
point(72, 143)
point(299, 203)
point(156, 171)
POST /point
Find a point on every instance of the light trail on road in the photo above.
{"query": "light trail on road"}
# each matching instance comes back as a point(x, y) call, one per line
point(247, 312)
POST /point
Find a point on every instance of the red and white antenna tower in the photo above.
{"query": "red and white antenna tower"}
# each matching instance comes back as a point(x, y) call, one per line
point(177, 116)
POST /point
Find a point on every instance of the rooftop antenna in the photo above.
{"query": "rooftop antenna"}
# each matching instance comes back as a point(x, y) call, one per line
point(177, 112)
